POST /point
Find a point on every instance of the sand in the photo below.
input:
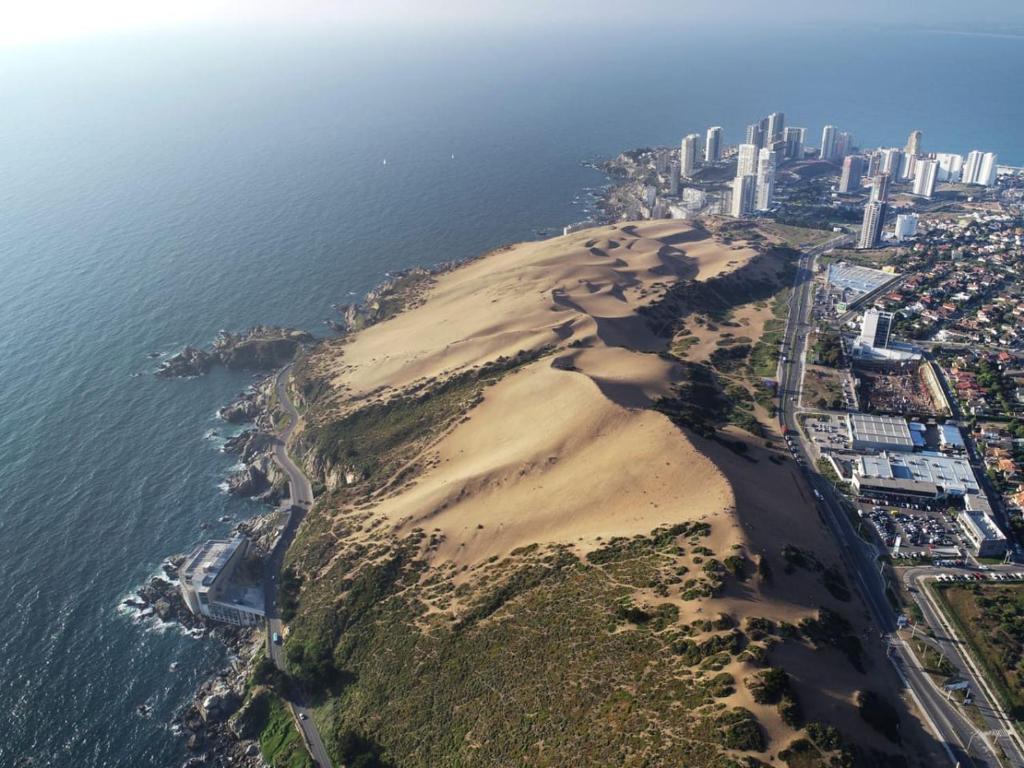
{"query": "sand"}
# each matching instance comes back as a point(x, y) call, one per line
point(568, 450)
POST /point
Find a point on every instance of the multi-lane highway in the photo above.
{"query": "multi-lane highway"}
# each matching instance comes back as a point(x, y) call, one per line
point(950, 725)
point(300, 493)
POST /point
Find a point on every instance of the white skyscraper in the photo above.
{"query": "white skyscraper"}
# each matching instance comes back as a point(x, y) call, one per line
point(743, 189)
point(987, 171)
point(746, 160)
point(925, 173)
point(754, 135)
point(689, 154)
point(908, 165)
point(871, 229)
point(794, 143)
point(828, 142)
point(776, 123)
point(713, 144)
point(950, 166)
point(906, 226)
point(892, 160)
point(971, 166)
point(765, 178)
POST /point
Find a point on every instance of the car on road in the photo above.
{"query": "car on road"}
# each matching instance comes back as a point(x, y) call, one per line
point(303, 716)
point(276, 638)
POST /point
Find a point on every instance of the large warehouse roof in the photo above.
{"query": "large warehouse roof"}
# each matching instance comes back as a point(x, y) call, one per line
point(927, 470)
point(881, 432)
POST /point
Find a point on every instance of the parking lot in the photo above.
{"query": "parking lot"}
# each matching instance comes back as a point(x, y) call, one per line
point(975, 576)
point(827, 433)
point(921, 532)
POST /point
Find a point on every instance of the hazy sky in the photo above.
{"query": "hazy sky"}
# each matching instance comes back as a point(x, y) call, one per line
point(30, 21)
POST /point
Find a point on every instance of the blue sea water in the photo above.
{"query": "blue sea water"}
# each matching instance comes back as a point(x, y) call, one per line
point(155, 190)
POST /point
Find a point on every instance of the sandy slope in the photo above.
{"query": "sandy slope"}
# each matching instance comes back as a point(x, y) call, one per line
point(565, 449)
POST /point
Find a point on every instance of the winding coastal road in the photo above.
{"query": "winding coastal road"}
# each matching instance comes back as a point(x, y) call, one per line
point(954, 731)
point(300, 492)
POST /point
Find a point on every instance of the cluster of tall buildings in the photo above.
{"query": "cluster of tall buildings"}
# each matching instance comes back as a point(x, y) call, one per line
point(910, 165)
point(692, 153)
point(835, 144)
point(767, 141)
point(770, 141)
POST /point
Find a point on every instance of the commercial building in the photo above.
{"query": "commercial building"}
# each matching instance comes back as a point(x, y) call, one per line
point(980, 530)
point(713, 144)
point(906, 226)
point(875, 328)
point(951, 438)
point(208, 588)
point(849, 181)
point(871, 228)
point(794, 138)
point(746, 159)
point(743, 193)
point(925, 174)
point(828, 142)
point(689, 154)
point(878, 433)
point(914, 476)
point(765, 178)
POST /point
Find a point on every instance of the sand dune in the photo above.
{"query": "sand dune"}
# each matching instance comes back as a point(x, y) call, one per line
point(568, 450)
point(565, 451)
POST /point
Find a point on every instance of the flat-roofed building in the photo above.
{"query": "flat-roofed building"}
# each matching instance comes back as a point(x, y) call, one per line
point(868, 432)
point(986, 540)
point(207, 586)
point(875, 328)
point(951, 438)
point(914, 476)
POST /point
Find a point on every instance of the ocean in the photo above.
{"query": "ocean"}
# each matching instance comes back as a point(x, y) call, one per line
point(158, 189)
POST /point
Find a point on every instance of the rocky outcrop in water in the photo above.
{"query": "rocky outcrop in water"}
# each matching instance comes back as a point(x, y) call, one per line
point(259, 348)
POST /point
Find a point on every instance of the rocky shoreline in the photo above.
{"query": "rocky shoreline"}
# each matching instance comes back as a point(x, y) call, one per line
point(262, 347)
point(212, 724)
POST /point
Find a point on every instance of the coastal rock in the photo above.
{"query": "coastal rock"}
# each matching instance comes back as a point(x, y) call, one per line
point(163, 609)
point(385, 300)
point(240, 411)
point(259, 348)
point(191, 361)
point(250, 444)
point(251, 481)
point(220, 703)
